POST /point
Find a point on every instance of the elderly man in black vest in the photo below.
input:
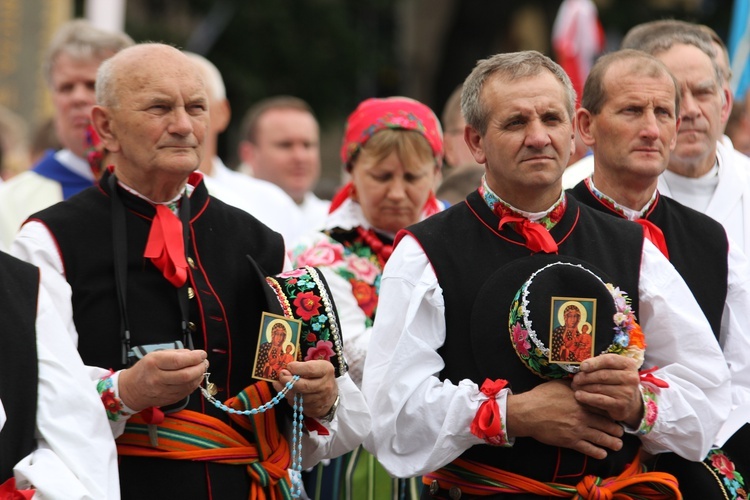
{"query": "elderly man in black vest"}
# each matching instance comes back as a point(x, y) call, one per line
point(54, 438)
point(146, 263)
point(471, 407)
point(629, 117)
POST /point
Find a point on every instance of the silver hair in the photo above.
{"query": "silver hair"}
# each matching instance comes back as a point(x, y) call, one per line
point(510, 66)
point(83, 41)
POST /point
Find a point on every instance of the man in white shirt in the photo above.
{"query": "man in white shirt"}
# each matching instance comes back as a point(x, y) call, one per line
point(281, 144)
point(432, 346)
point(159, 264)
point(74, 54)
point(55, 440)
point(265, 201)
point(703, 173)
point(629, 117)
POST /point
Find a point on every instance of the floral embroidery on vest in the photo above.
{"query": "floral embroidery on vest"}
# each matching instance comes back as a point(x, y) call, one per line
point(732, 480)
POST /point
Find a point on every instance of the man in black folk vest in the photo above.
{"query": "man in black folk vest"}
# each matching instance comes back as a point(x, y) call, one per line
point(147, 262)
point(629, 117)
point(54, 438)
point(449, 395)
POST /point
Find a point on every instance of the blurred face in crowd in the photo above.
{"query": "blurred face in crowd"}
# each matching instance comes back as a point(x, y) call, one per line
point(703, 111)
point(528, 140)
point(286, 151)
point(72, 85)
point(635, 129)
point(393, 180)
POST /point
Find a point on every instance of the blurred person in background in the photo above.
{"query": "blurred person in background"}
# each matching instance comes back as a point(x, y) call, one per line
point(14, 144)
point(265, 201)
point(393, 150)
point(281, 144)
point(73, 56)
point(703, 173)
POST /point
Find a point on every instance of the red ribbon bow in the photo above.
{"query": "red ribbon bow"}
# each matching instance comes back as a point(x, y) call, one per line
point(538, 238)
point(648, 376)
point(165, 246)
point(487, 423)
point(655, 235)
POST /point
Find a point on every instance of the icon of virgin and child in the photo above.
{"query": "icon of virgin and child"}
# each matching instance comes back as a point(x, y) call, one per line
point(572, 340)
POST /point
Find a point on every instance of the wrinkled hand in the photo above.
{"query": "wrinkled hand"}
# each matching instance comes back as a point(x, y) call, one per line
point(162, 378)
point(317, 384)
point(550, 414)
point(611, 383)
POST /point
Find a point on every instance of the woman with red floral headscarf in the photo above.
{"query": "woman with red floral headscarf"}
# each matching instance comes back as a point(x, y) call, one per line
point(393, 150)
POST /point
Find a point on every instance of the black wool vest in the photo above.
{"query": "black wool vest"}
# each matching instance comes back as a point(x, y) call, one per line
point(224, 313)
point(465, 249)
point(697, 244)
point(19, 288)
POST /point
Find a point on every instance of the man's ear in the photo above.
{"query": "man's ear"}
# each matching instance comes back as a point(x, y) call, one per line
point(246, 151)
point(102, 123)
point(584, 125)
point(476, 144)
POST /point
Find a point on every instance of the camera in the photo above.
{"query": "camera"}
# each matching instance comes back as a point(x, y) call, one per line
point(136, 353)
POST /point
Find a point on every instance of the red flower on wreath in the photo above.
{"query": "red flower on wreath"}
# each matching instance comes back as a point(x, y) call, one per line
point(308, 305)
point(366, 297)
point(311, 337)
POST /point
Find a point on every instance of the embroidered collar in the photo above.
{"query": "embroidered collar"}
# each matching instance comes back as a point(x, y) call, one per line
point(626, 212)
point(549, 218)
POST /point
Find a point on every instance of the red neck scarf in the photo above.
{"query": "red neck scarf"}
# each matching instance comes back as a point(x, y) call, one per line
point(651, 231)
point(166, 247)
point(537, 237)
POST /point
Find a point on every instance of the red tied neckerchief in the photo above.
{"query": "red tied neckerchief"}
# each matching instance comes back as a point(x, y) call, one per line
point(487, 423)
point(165, 246)
point(8, 491)
point(536, 235)
point(652, 232)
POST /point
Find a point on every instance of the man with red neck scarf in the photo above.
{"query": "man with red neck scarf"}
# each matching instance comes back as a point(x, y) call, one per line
point(460, 408)
point(159, 262)
point(629, 116)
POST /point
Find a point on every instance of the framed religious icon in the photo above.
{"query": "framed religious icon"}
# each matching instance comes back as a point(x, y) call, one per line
point(278, 345)
point(572, 329)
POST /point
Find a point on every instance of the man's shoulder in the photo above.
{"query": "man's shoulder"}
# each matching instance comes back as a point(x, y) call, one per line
point(688, 214)
point(734, 163)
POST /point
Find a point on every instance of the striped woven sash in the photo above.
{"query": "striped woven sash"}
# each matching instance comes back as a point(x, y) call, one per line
point(189, 435)
point(478, 479)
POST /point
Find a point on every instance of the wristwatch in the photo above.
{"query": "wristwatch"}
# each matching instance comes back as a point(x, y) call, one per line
point(328, 417)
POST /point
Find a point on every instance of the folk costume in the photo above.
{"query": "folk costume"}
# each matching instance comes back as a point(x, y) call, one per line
point(54, 437)
point(447, 300)
point(717, 274)
point(225, 293)
point(351, 254)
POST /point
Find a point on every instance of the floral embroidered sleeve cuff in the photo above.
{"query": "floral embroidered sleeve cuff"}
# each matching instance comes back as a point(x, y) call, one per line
point(108, 391)
point(650, 399)
point(488, 423)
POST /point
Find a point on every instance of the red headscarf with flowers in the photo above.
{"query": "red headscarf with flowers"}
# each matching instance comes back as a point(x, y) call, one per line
point(376, 114)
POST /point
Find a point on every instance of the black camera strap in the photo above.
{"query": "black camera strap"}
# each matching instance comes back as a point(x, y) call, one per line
point(119, 240)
